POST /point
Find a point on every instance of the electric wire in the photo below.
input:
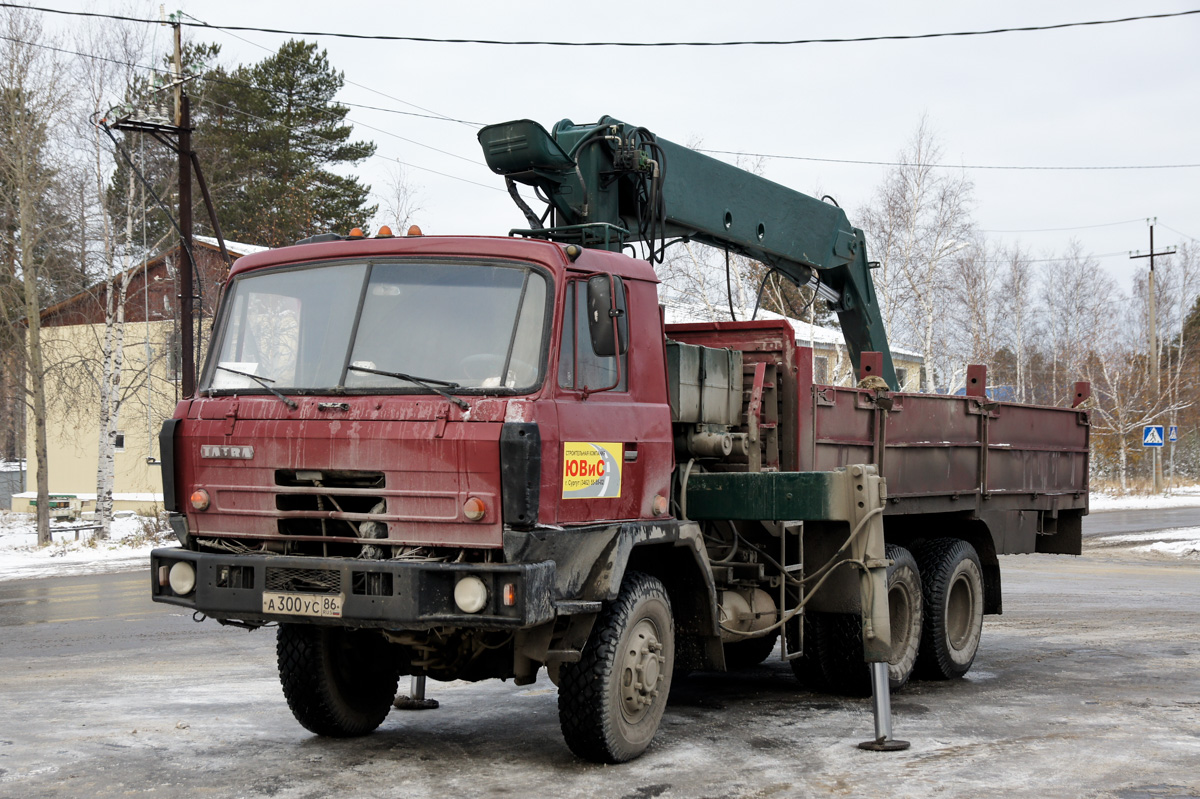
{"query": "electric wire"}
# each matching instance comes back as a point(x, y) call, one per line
point(860, 162)
point(170, 217)
point(1060, 229)
point(382, 94)
point(1018, 167)
point(239, 83)
point(1180, 232)
point(552, 43)
point(296, 132)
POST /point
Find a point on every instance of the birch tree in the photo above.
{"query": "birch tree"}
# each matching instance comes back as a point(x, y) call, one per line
point(399, 202)
point(1079, 303)
point(920, 217)
point(32, 104)
point(1017, 314)
point(105, 81)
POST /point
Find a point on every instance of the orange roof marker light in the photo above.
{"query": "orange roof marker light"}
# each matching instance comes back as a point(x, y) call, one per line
point(385, 232)
point(356, 233)
point(414, 231)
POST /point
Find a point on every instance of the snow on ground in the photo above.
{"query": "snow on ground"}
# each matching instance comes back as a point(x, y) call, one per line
point(1180, 542)
point(1180, 497)
point(76, 550)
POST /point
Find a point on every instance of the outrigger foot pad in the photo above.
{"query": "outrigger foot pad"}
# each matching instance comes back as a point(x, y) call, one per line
point(885, 745)
point(411, 703)
point(416, 699)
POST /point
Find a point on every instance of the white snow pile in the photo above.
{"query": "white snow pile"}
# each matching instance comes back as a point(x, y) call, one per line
point(1180, 542)
point(1187, 496)
point(75, 548)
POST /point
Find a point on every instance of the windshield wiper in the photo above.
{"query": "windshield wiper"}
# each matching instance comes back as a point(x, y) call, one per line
point(423, 382)
point(262, 381)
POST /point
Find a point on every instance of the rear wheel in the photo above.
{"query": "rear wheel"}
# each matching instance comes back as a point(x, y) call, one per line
point(833, 641)
point(952, 587)
point(610, 703)
point(338, 682)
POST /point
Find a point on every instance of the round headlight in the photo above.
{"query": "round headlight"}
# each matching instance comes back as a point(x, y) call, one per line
point(182, 578)
point(470, 594)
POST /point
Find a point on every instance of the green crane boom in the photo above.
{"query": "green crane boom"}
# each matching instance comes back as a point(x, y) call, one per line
point(610, 182)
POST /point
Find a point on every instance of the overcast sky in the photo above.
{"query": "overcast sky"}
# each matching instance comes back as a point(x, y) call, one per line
point(1112, 95)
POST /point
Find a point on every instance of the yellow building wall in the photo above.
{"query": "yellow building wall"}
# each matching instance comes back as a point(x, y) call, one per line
point(73, 409)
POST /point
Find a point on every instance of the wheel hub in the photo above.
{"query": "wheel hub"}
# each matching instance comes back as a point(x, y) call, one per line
point(641, 670)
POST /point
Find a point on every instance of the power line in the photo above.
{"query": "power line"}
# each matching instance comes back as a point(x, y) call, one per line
point(942, 166)
point(435, 114)
point(815, 159)
point(547, 43)
point(1180, 232)
point(375, 155)
point(261, 119)
point(1059, 229)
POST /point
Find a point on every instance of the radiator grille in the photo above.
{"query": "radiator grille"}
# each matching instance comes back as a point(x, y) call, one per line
point(313, 581)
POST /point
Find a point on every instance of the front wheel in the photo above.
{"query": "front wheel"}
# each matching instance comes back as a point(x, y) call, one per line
point(610, 703)
point(338, 682)
point(952, 584)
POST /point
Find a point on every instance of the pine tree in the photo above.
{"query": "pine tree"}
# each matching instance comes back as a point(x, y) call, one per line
point(268, 135)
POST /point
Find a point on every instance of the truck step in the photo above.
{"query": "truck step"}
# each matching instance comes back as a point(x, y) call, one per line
point(570, 608)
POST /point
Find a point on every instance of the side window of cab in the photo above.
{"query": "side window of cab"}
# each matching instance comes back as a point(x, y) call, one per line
point(581, 364)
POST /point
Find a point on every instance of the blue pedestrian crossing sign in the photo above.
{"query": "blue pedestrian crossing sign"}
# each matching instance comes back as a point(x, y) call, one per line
point(1152, 435)
point(1173, 433)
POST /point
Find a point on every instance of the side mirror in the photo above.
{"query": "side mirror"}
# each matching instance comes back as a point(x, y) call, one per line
point(606, 305)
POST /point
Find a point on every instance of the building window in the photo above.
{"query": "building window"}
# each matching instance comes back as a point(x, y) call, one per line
point(821, 369)
point(902, 378)
point(120, 443)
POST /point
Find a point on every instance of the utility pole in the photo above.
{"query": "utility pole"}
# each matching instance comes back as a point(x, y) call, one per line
point(187, 321)
point(1154, 356)
point(158, 126)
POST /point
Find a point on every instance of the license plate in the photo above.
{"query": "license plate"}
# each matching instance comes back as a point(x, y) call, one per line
point(325, 605)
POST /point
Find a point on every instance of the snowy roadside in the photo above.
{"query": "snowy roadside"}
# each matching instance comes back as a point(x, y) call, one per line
point(1181, 542)
point(75, 550)
point(1180, 497)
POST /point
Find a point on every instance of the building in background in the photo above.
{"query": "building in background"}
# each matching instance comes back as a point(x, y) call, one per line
point(831, 359)
point(72, 338)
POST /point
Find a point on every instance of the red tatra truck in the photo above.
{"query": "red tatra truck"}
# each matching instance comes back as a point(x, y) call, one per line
point(472, 458)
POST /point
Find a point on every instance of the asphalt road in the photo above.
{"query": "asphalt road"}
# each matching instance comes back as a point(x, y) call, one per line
point(1135, 521)
point(1088, 685)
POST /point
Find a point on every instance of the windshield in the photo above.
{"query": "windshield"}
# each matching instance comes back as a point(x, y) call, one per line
point(380, 325)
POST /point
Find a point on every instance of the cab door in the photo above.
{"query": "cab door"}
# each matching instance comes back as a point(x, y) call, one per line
point(614, 430)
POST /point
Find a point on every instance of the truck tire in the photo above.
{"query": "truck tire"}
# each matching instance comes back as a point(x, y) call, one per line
point(611, 702)
point(338, 682)
point(836, 638)
point(952, 588)
point(749, 652)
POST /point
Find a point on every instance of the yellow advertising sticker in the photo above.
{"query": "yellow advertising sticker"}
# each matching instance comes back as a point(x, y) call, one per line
point(592, 470)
